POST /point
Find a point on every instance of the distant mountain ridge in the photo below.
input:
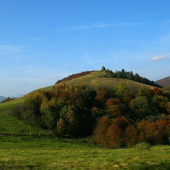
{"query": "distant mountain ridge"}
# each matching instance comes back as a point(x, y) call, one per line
point(15, 96)
point(164, 82)
point(2, 98)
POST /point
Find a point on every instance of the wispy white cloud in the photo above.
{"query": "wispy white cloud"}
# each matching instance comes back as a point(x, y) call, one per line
point(99, 25)
point(11, 48)
point(158, 58)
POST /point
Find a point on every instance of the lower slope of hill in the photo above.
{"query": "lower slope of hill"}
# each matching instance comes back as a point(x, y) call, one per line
point(12, 126)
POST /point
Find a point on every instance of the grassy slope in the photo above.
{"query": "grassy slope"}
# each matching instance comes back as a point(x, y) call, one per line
point(98, 78)
point(38, 152)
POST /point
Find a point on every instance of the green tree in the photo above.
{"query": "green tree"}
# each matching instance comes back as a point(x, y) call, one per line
point(122, 89)
point(103, 69)
point(139, 107)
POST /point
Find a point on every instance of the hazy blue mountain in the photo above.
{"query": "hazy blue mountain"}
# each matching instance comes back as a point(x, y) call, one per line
point(2, 98)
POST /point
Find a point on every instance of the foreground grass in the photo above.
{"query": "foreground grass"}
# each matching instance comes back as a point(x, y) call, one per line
point(36, 152)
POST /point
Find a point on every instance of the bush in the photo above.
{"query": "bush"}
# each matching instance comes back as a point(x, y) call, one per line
point(143, 146)
point(17, 111)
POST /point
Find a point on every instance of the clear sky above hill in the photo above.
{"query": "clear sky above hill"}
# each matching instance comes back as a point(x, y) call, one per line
point(42, 41)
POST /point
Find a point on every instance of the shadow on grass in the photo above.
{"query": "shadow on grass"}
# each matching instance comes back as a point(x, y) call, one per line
point(161, 166)
point(15, 165)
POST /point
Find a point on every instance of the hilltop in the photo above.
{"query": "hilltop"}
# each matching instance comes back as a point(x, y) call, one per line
point(107, 78)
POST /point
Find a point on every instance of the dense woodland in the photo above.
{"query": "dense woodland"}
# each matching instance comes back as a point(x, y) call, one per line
point(116, 117)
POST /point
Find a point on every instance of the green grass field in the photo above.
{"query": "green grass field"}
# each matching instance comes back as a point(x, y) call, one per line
point(26, 147)
point(35, 152)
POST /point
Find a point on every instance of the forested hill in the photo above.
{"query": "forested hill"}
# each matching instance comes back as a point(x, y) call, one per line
point(164, 82)
point(116, 111)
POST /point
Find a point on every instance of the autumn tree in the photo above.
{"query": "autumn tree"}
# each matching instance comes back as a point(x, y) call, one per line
point(131, 135)
point(157, 91)
point(113, 107)
point(116, 132)
point(100, 132)
point(101, 97)
point(146, 131)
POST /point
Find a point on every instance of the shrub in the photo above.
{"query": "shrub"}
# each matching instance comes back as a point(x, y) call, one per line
point(143, 146)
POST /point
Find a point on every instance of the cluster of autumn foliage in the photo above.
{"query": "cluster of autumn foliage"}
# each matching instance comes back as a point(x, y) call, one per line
point(73, 76)
point(115, 117)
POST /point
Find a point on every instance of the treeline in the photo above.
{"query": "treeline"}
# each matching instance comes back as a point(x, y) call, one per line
point(130, 76)
point(115, 117)
point(73, 76)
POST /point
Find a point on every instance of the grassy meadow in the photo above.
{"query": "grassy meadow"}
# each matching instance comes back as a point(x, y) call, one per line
point(26, 147)
point(40, 152)
point(100, 79)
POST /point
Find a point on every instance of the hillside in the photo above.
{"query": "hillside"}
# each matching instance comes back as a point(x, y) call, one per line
point(164, 82)
point(94, 79)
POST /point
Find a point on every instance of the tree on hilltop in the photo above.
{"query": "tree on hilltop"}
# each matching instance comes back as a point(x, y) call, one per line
point(103, 68)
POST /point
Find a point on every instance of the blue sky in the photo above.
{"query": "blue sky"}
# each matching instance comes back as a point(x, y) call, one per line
point(42, 41)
